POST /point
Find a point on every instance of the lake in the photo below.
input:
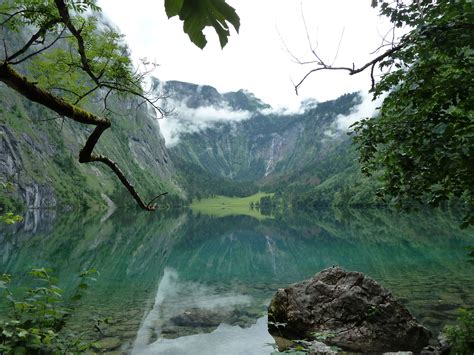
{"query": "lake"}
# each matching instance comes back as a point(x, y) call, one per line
point(178, 282)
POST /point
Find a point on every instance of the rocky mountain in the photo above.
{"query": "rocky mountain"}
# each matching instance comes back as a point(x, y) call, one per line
point(195, 96)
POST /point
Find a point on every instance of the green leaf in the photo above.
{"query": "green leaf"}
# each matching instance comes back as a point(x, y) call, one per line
point(193, 26)
point(7, 278)
point(228, 13)
point(173, 7)
point(11, 218)
point(89, 272)
point(23, 333)
point(7, 333)
point(196, 15)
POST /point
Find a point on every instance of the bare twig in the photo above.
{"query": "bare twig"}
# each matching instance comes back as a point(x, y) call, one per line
point(308, 38)
point(155, 198)
point(49, 119)
point(376, 50)
point(106, 107)
point(338, 46)
point(372, 76)
point(84, 95)
point(353, 70)
point(66, 19)
point(5, 47)
point(56, 88)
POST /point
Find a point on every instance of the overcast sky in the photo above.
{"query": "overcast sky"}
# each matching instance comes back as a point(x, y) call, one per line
point(256, 58)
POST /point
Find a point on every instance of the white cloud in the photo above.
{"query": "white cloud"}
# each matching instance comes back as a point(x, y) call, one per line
point(367, 108)
point(190, 120)
point(296, 108)
point(255, 59)
point(283, 111)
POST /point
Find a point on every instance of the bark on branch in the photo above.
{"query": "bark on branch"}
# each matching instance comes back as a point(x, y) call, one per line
point(34, 93)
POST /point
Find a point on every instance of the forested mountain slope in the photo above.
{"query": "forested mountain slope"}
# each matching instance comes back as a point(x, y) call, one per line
point(264, 145)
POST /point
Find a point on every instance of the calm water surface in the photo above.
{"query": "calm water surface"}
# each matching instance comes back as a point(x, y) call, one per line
point(180, 283)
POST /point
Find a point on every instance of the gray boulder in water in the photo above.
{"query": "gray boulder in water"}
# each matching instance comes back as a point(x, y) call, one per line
point(346, 309)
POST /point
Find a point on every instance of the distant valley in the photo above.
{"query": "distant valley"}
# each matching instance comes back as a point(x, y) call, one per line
point(244, 145)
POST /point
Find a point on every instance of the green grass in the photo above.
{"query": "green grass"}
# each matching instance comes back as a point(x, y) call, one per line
point(221, 206)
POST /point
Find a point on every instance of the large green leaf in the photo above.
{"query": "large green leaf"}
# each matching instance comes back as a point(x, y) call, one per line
point(197, 15)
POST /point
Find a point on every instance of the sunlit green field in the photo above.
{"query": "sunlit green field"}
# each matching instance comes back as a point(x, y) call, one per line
point(221, 206)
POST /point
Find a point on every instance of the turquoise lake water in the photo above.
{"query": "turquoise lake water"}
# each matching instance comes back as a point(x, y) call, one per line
point(181, 283)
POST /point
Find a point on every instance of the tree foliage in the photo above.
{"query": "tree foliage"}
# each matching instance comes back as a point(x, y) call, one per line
point(8, 217)
point(69, 55)
point(423, 137)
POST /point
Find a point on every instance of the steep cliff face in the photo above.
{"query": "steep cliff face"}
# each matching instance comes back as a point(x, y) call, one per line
point(261, 145)
point(38, 154)
point(33, 194)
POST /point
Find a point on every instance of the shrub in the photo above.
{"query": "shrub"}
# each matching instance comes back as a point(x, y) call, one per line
point(35, 322)
point(461, 335)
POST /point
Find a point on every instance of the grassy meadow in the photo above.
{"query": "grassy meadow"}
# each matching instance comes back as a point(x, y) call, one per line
point(221, 206)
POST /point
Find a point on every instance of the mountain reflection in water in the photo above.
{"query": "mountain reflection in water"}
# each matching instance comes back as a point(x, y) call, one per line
point(175, 282)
